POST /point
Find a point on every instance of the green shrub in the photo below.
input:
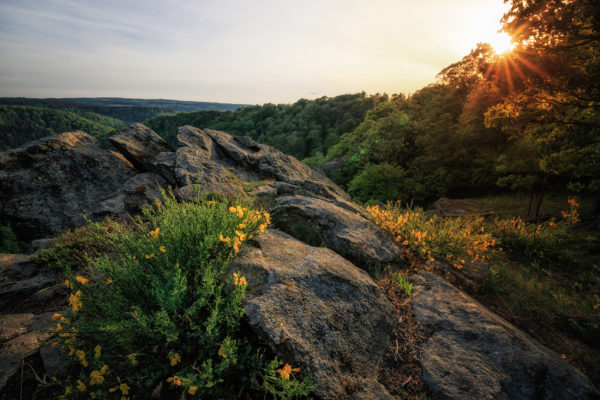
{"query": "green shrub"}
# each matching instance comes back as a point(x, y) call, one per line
point(159, 311)
point(9, 243)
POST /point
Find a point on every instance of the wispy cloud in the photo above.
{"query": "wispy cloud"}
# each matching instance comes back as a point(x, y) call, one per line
point(232, 50)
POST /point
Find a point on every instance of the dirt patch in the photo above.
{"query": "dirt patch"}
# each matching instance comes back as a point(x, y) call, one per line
point(400, 371)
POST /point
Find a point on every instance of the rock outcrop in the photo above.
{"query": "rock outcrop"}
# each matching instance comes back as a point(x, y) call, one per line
point(49, 185)
point(140, 145)
point(318, 312)
point(475, 354)
point(322, 223)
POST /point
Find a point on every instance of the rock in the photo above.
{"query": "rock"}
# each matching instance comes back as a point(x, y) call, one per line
point(322, 223)
point(47, 186)
point(20, 336)
point(56, 362)
point(24, 285)
point(139, 191)
point(475, 354)
point(140, 145)
point(334, 168)
point(164, 165)
point(193, 167)
point(318, 312)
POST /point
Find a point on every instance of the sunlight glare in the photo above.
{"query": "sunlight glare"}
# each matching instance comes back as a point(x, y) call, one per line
point(501, 43)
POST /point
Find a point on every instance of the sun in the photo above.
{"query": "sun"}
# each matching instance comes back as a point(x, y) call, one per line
point(501, 42)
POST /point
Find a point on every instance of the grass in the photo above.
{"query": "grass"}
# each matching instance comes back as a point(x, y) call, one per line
point(155, 309)
point(544, 277)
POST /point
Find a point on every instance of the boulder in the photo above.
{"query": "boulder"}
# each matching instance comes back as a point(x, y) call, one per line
point(20, 336)
point(140, 145)
point(475, 354)
point(164, 165)
point(47, 186)
point(322, 223)
point(137, 192)
point(318, 312)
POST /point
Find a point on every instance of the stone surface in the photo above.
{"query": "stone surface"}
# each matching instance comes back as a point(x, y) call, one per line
point(20, 336)
point(164, 165)
point(140, 145)
point(318, 312)
point(22, 280)
point(322, 223)
point(222, 190)
point(47, 186)
point(475, 354)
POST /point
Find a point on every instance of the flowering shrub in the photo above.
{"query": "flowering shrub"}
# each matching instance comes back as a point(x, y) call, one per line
point(159, 313)
point(455, 240)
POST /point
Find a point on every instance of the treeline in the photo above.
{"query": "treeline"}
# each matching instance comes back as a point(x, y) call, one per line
point(21, 124)
point(305, 129)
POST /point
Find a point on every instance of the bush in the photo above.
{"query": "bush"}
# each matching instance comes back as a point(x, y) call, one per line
point(159, 311)
point(455, 240)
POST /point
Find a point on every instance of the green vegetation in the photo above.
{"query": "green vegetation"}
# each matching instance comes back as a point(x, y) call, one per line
point(25, 119)
point(156, 308)
point(404, 283)
point(304, 129)
point(544, 276)
point(9, 244)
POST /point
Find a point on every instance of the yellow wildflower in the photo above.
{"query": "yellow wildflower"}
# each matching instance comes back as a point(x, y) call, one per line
point(222, 352)
point(75, 301)
point(192, 390)
point(80, 385)
point(236, 244)
point(109, 281)
point(154, 233)
point(212, 202)
point(97, 351)
point(286, 370)
point(68, 284)
point(241, 235)
point(96, 378)
point(124, 388)
point(81, 279)
point(149, 256)
point(225, 239)
point(56, 316)
point(104, 369)
point(132, 359)
point(163, 249)
point(242, 226)
point(174, 358)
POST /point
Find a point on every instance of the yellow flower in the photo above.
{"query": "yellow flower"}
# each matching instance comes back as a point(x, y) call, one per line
point(175, 358)
point(81, 279)
point(286, 370)
point(232, 209)
point(80, 385)
point(241, 235)
point(236, 244)
point(261, 228)
point(154, 233)
point(56, 316)
point(75, 301)
point(96, 378)
point(149, 256)
point(224, 239)
point(68, 390)
point(109, 281)
point(212, 202)
point(192, 390)
point(241, 226)
point(97, 351)
point(68, 284)
point(163, 249)
point(132, 359)
point(222, 352)
point(124, 388)
point(104, 369)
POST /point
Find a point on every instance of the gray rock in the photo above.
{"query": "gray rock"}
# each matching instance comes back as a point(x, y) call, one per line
point(20, 336)
point(140, 145)
point(322, 223)
point(56, 362)
point(318, 312)
point(20, 279)
point(193, 167)
point(475, 354)
point(47, 186)
point(164, 165)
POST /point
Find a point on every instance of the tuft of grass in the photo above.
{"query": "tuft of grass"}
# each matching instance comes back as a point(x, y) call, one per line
point(404, 283)
point(155, 309)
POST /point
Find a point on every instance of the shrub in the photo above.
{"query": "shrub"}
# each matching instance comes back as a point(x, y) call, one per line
point(455, 240)
point(159, 311)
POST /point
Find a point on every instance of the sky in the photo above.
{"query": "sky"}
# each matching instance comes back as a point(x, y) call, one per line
point(234, 51)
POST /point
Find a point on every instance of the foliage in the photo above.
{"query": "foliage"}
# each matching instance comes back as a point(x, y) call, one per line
point(454, 240)
point(404, 283)
point(159, 310)
point(9, 243)
point(302, 129)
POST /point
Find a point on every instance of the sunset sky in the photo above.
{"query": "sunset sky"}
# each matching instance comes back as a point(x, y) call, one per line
point(232, 50)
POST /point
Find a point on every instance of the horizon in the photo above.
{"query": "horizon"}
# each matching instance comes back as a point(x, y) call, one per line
point(231, 52)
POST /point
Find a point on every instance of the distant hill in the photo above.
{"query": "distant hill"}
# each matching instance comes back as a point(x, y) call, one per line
point(24, 119)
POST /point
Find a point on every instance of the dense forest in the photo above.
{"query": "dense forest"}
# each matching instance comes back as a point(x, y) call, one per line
point(307, 128)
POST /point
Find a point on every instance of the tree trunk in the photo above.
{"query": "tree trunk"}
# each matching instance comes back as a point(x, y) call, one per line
point(535, 201)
